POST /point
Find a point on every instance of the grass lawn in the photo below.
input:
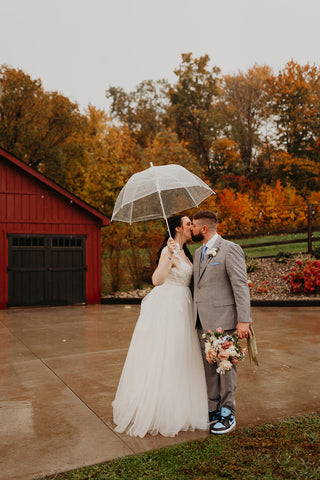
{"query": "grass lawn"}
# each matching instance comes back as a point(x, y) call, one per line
point(294, 248)
point(284, 450)
point(275, 238)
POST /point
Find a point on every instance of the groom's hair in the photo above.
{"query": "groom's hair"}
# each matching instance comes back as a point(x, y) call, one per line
point(208, 218)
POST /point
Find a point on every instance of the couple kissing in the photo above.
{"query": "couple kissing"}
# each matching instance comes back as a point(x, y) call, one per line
point(167, 385)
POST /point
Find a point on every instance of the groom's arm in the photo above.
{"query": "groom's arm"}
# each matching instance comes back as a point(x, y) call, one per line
point(237, 272)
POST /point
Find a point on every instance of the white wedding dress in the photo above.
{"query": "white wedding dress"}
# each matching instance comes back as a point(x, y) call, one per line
point(162, 388)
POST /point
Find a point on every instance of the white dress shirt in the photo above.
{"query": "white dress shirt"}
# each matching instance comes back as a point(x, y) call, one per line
point(212, 241)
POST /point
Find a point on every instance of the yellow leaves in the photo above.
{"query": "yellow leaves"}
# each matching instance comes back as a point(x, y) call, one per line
point(111, 161)
point(301, 173)
point(226, 152)
point(281, 207)
point(167, 149)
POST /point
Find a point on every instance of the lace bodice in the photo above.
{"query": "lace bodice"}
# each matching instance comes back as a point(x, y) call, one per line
point(180, 274)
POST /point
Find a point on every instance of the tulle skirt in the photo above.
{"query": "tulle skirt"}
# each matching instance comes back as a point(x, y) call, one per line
point(162, 388)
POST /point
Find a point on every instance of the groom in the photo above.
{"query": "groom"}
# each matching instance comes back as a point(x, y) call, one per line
point(221, 299)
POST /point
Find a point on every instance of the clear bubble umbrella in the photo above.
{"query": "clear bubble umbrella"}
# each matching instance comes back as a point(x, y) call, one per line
point(158, 192)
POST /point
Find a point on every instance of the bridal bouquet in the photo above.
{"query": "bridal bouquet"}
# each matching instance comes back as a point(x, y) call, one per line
point(223, 349)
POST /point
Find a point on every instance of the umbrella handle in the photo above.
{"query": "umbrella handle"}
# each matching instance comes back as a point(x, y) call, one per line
point(167, 226)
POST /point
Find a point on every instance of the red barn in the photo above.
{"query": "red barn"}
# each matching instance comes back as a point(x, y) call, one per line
point(49, 240)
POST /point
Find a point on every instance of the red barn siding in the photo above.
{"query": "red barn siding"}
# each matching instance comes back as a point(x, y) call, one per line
point(32, 204)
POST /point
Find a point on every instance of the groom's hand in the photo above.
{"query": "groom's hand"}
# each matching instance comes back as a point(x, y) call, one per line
point(243, 329)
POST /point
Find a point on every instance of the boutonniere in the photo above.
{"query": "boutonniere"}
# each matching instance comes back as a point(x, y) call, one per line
point(212, 252)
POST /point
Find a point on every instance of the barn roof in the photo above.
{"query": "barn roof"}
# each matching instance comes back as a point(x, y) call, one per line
point(54, 186)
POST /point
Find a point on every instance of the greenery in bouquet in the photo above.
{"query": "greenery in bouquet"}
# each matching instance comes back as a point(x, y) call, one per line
point(223, 349)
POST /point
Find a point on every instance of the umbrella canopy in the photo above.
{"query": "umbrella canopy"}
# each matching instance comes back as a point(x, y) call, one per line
point(159, 192)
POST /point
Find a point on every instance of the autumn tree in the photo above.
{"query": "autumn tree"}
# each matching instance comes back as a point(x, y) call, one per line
point(37, 126)
point(226, 165)
point(142, 110)
point(301, 173)
point(191, 110)
point(295, 94)
point(112, 159)
point(166, 149)
point(236, 212)
point(19, 96)
point(280, 207)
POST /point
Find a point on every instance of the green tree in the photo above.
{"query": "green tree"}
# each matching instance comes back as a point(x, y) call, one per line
point(141, 110)
point(191, 109)
point(243, 106)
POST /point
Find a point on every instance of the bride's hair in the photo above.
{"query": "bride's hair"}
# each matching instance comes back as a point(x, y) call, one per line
point(173, 223)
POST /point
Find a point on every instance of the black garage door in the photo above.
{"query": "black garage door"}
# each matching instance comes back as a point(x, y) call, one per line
point(46, 270)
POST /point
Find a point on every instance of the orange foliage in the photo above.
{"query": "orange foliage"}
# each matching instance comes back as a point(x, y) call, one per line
point(280, 208)
point(273, 208)
point(225, 151)
point(314, 197)
point(236, 212)
point(295, 98)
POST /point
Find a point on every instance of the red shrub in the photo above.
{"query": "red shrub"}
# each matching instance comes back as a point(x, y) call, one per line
point(306, 278)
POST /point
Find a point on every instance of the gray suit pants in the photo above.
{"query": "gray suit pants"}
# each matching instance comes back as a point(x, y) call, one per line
point(221, 389)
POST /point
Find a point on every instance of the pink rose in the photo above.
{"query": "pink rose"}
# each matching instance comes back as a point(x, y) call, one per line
point(211, 355)
point(223, 356)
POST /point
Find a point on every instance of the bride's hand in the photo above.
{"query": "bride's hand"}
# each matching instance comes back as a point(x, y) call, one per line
point(171, 245)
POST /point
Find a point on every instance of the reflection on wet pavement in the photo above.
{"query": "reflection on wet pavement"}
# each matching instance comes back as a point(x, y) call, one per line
point(59, 370)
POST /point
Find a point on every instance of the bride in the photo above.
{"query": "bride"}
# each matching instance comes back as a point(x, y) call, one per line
point(162, 388)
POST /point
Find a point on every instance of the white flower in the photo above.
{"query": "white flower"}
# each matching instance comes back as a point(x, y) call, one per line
point(212, 252)
point(224, 366)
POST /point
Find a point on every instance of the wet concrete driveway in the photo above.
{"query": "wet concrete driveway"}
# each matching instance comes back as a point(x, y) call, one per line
point(59, 369)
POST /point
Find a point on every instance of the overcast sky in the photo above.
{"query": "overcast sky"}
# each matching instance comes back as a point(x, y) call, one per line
point(81, 47)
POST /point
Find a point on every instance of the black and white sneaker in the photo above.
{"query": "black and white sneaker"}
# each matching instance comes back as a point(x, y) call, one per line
point(226, 423)
point(214, 417)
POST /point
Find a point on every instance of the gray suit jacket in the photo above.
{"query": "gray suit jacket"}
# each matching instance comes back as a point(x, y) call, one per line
point(221, 292)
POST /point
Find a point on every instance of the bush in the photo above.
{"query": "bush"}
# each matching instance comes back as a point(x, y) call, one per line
point(316, 253)
point(305, 278)
point(252, 264)
point(282, 257)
